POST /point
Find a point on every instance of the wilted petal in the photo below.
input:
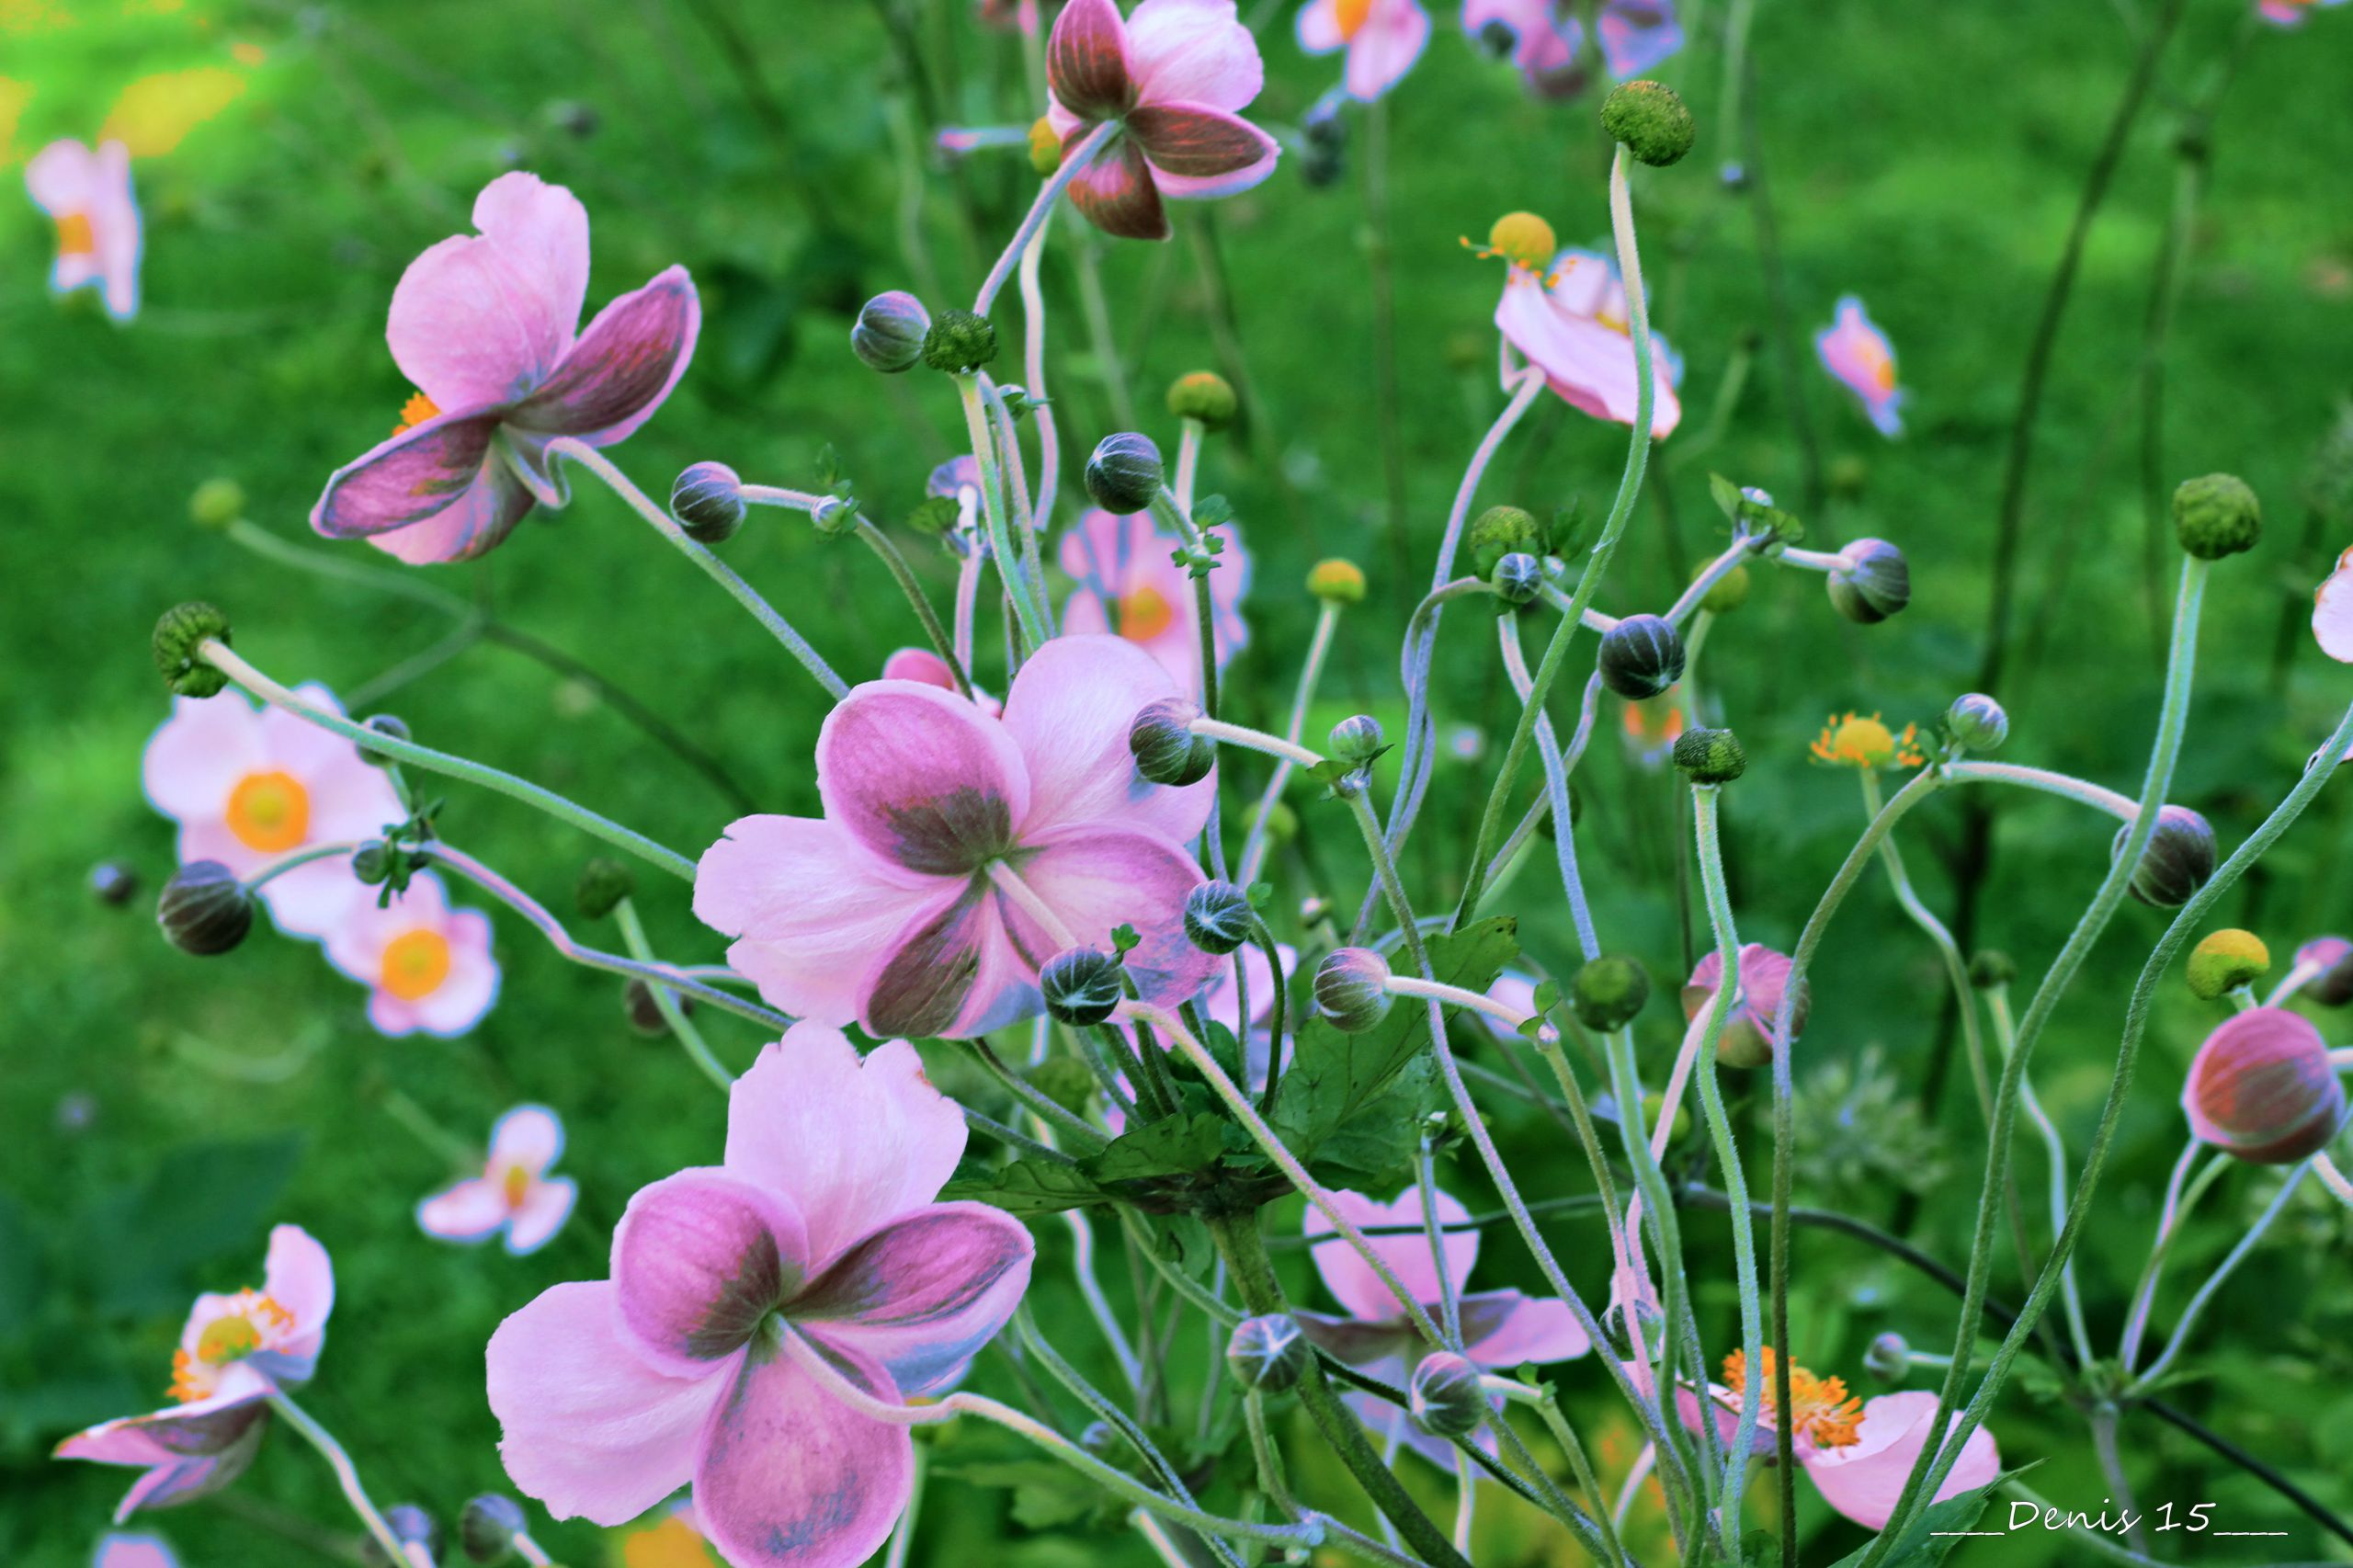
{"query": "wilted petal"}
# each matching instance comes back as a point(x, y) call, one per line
point(1503, 1328)
point(1097, 879)
point(2332, 611)
point(408, 478)
point(1194, 51)
point(923, 1293)
point(484, 319)
point(699, 1259)
point(1352, 1280)
point(1115, 192)
point(1863, 1480)
point(622, 368)
point(1197, 153)
point(1069, 710)
point(1087, 59)
point(921, 777)
point(1358, 1342)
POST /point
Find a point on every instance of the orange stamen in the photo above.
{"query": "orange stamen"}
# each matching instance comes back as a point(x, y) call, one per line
point(1145, 615)
point(74, 235)
point(415, 412)
point(1821, 1411)
point(414, 964)
point(269, 811)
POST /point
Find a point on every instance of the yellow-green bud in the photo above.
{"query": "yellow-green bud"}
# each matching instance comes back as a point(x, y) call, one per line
point(2225, 960)
point(217, 502)
point(1504, 530)
point(1045, 147)
point(1608, 992)
point(2216, 516)
point(1710, 756)
point(958, 342)
point(1652, 119)
point(1336, 582)
point(1727, 593)
point(1204, 395)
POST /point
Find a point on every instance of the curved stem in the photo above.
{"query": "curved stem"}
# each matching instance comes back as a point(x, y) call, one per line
point(1034, 632)
point(2223, 1272)
point(1074, 160)
point(347, 1474)
point(1310, 670)
point(889, 554)
point(665, 1002)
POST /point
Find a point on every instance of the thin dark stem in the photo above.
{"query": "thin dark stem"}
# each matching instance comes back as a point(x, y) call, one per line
point(889, 554)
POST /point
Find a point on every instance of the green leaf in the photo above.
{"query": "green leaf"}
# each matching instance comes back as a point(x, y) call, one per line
point(1934, 1535)
point(1175, 1145)
point(934, 515)
point(1028, 1187)
point(202, 1201)
point(1211, 511)
point(1727, 496)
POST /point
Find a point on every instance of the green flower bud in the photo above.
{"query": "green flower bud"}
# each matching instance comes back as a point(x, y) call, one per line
point(2179, 858)
point(1336, 582)
point(1444, 1396)
point(1356, 739)
point(1607, 993)
point(1641, 657)
point(205, 909)
point(1352, 989)
point(708, 500)
point(645, 1013)
point(114, 883)
point(1710, 757)
point(1204, 395)
point(1081, 986)
point(1651, 121)
point(1727, 593)
point(2225, 960)
point(1977, 723)
point(958, 342)
point(1124, 474)
point(1518, 579)
point(1871, 583)
point(181, 631)
point(1217, 917)
point(1282, 823)
point(217, 502)
point(1504, 530)
point(1268, 1354)
point(2216, 516)
point(487, 1526)
point(392, 727)
point(603, 884)
point(1163, 743)
point(1992, 969)
point(893, 332)
point(410, 1526)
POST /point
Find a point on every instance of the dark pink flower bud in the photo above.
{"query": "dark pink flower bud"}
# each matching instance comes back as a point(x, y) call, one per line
point(2332, 958)
point(1748, 1039)
point(2262, 1088)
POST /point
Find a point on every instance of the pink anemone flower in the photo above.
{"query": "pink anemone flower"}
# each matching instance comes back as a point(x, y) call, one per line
point(959, 852)
point(820, 1224)
point(2290, 13)
point(250, 788)
point(514, 1194)
point(87, 195)
point(236, 1351)
point(426, 966)
point(2332, 611)
point(1543, 41)
point(927, 668)
point(120, 1551)
point(484, 325)
point(1124, 562)
point(1570, 322)
point(1748, 1038)
point(1862, 1479)
point(1384, 39)
point(1500, 1328)
point(1637, 35)
point(1857, 355)
point(1175, 77)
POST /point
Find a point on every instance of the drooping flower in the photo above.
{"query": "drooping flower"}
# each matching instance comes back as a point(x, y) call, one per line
point(484, 325)
point(1652, 726)
point(1858, 354)
point(117, 1550)
point(1748, 1038)
point(426, 966)
point(1176, 76)
point(1384, 39)
point(1855, 741)
point(2262, 1088)
point(819, 1225)
point(514, 1194)
point(2332, 611)
point(1124, 562)
point(1544, 40)
point(923, 900)
point(2290, 13)
point(236, 1351)
point(87, 193)
point(250, 788)
point(1566, 312)
point(1500, 1328)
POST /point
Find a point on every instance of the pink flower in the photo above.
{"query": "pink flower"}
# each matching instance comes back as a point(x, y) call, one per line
point(250, 788)
point(90, 197)
point(927, 668)
point(1636, 35)
point(1543, 41)
point(1176, 76)
point(1126, 562)
point(1859, 355)
point(117, 1551)
point(426, 966)
point(819, 1224)
point(514, 1193)
point(1749, 1038)
point(235, 1352)
point(1384, 39)
point(1863, 1478)
point(2289, 13)
point(1571, 323)
point(484, 325)
point(1500, 1328)
point(2332, 611)
point(952, 845)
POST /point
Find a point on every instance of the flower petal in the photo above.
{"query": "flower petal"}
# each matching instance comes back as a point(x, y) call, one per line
point(1198, 153)
point(589, 1429)
point(700, 1258)
point(930, 979)
point(1115, 191)
point(1863, 1480)
point(623, 366)
point(474, 524)
point(529, 1136)
point(1589, 365)
point(1387, 47)
point(195, 758)
point(546, 1205)
point(794, 1478)
point(297, 1276)
point(1087, 59)
point(1351, 1280)
point(1358, 1341)
point(923, 1293)
point(134, 1552)
point(1636, 35)
point(407, 479)
point(484, 319)
point(1099, 878)
point(1069, 710)
point(470, 1210)
point(187, 1450)
point(1503, 1328)
point(2333, 612)
point(1195, 51)
point(921, 777)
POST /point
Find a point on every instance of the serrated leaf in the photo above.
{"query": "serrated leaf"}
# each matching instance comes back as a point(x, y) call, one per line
point(1028, 1187)
point(935, 514)
point(1209, 512)
point(1183, 1144)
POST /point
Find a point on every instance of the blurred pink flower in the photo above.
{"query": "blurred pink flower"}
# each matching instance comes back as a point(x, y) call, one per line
point(87, 193)
point(250, 788)
point(2289, 13)
point(1636, 35)
point(821, 1223)
point(117, 1551)
point(1384, 39)
point(1748, 1038)
point(910, 907)
point(234, 1352)
point(514, 1193)
point(1176, 76)
point(484, 325)
point(1571, 323)
point(2332, 611)
point(1125, 561)
point(426, 966)
point(1857, 353)
point(1543, 39)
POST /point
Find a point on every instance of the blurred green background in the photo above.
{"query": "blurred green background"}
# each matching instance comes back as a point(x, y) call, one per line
point(159, 1112)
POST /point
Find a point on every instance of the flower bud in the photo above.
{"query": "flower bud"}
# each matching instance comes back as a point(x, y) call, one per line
point(1268, 1354)
point(1871, 582)
point(410, 1526)
point(205, 909)
point(1652, 119)
point(392, 727)
point(1444, 1396)
point(1356, 739)
point(1163, 743)
point(708, 500)
point(1992, 969)
point(1748, 1039)
point(217, 502)
point(1641, 657)
point(114, 881)
point(1504, 530)
point(487, 1526)
point(1623, 1322)
point(1217, 917)
point(1204, 395)
point(1081, 986)
point(1517, 578)
point(2179, 858)
point(1889, 1357)
point(1045, 147)
point(1336, 582)
point(1352, 989)
point(372, 863)
point(1124, 473)
point(1977, 723)
point(182, 630)
point(958, 342)
point(2263, 1089)
point(603, 883)
point(1608, 992)
point(2225, 960)
point(1727, 593)
point(1710, 757)
point(644, 1013)
point(2333, 956)
point(893, 331)
point(2216, 516)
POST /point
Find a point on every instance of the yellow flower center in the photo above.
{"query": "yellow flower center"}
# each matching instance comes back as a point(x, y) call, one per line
point(515, 1185)
point(1145, 615)
point(269, 811)
point(1653, 722)
point(415, 412)
point(415, 963)
point(1878, 364)
point(1521, 238)
point(1352, 16)
point(233, 1335)
point(1820, 1410)
point(1857, 741)
point(673, 1543)
point(74, 235)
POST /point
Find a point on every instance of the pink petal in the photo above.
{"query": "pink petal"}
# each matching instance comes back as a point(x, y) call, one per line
point(1358, 1342)
point(920, 665)
point(297, 1276)
point(546, 1205)
point(943, 974)
point(528, 1136)
point(196, 756)
point(1589, 365)
point(623, 366)
point(1096, 878)
point(854, 1143)
point(1512, 1328)
point(1351, 1280)
point(134, 1552)
point(62, 178)
point(414, 475)
point(1636, 35)
point(1197, 153)
point(1862, 1481)
point(1086, 61)
point(920, 777)
point(1386, 47)
point(1069, 710)
point(477, 522)
point(923, 1293)
point(1115, 192)
point(470, 1210)
point(1318, 27)
point(700, 1258)
point(589, 1429)
point(1194, 51)
point(2332, 612)
point(483, 319)
point(188, 1451)
point(458, 1003)
point(794, 1478)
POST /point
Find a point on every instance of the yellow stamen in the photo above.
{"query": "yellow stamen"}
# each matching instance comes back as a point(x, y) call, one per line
point(1145, 615)
point(269, 811)
point(1857, 741)
point(673, 1543)
point(516, 1186)
point(1352, 16)
point(74, 235)
point(1521, 238)
point(1820, 1410)
point(233, 1335)
point(415, 412)
point(414, 964)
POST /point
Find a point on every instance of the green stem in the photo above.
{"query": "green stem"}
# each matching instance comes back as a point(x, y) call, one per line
point(347, 1474)
point(889, 554)
point(1074, 161)
point(1034, 631)
point(1254, 846)
point(666, 1001)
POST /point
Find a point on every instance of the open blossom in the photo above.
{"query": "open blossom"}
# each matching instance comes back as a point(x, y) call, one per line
point(1176, 76)
point(484, 326)
point(1857, 353)
point(1125, 563)
point(1566, 312)
point(426, 966)
point(820, 1227)
point(1384, 39)
point(1543, 39)
point(1749, 1038)
point(236, 1351)
point(2289, 13)
point(251, 787)
point(87, 195)
point(959, 851)
point(514, 1194)
point(2332, 611)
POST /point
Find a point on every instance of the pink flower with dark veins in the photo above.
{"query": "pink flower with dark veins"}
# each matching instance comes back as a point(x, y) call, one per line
point(959, 851)
point(1174, 78)
point(484, 326)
